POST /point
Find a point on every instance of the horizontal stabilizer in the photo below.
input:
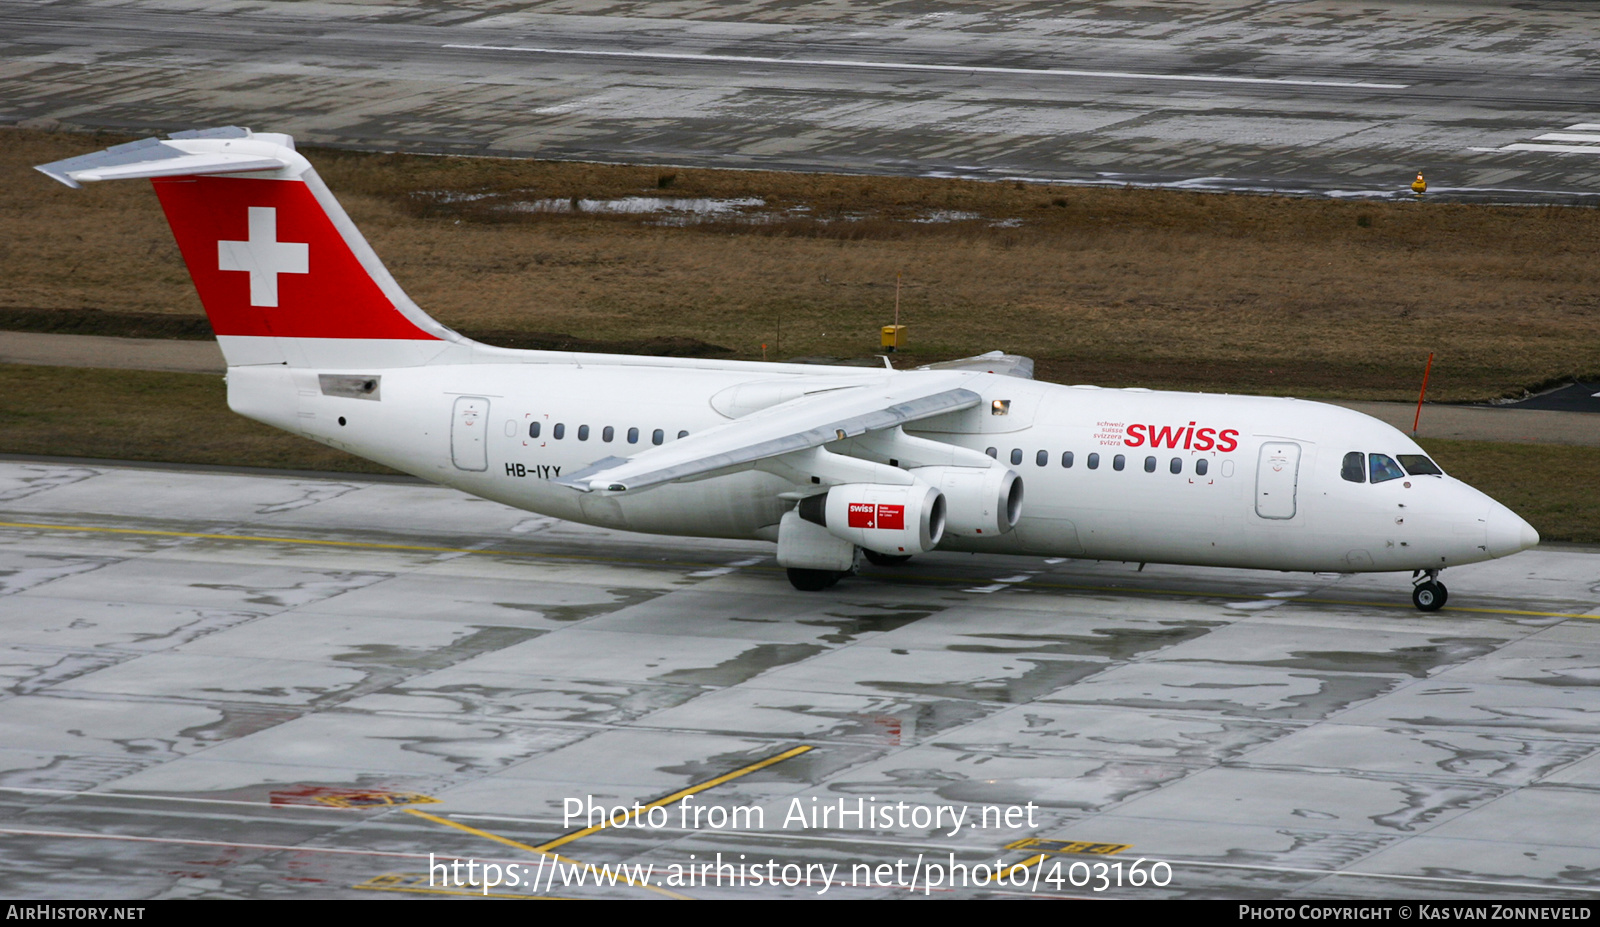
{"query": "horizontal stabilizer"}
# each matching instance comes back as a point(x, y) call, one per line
point(154, 157)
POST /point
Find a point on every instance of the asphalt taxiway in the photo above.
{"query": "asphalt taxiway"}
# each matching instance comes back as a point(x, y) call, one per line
point(222, 684)
point(1331, 97)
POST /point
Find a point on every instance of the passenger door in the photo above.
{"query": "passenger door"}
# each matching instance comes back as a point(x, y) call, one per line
point(1277, 476)
point(468, 449)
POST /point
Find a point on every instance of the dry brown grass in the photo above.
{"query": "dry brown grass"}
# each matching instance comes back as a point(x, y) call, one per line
point(1112, 286)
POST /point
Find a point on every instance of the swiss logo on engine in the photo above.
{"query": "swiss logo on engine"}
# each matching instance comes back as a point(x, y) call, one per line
point(868, 515)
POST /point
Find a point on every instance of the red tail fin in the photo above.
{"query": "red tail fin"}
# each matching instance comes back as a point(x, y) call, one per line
point(267, 261)
point(282, 272)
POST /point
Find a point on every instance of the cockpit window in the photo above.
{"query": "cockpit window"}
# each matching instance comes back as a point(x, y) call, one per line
point(1355, 467)
point(1384, 468)
point(1418, 465)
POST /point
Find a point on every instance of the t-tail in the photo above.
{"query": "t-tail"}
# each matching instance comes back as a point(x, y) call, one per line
point(282, 272)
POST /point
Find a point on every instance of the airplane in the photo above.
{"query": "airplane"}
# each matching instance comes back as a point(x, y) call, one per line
point(830, 463)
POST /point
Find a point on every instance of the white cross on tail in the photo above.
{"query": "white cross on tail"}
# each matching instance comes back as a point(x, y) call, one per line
point(264, 256)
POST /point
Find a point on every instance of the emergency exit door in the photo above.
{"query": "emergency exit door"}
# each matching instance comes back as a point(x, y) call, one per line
point(1277, 476)
point(468, 449)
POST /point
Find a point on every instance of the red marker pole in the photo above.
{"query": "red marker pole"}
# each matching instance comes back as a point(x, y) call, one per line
point(1425, 371)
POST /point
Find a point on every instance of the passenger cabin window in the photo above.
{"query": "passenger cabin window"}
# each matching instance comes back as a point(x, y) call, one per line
point(1176, 466)
point(657, 436)
point(683, 434)
point(1149, 465)
point(1016, 455)
point(559, 432)
point(533, 430)
point(607, 433)
point(1383, 468)
point(1119, 461)
point(1201, 466)
point(1066, 459)
point(633, 436)
point(1418, 465)
point(1094, 461)
point(583, 432)
point(1355, 467)
point(992, 452)
point(1041, 458)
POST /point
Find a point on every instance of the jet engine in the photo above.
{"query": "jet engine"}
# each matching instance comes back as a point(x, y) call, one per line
point(896, 520)
point(979, 502)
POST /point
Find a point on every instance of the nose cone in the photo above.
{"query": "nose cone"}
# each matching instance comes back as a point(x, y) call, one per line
point(1508, 533)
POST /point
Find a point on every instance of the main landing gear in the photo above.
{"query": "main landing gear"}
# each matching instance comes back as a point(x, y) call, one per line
point(812, 580)
point(1427, 593)
point(818, 580)
point(886, 560)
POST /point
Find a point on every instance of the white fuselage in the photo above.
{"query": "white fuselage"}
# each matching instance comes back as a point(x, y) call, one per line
point(1235, 480)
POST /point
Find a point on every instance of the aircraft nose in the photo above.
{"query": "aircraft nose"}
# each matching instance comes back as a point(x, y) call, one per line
point(1508, 533)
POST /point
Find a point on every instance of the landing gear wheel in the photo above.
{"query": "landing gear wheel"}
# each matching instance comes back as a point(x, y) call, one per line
point(1429, 596)
point(812, 580)
point(886, 560)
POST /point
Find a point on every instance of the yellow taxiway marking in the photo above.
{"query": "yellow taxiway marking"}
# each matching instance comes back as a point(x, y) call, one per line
point(1053, 847)
point(398, 882)
point(420, 548)
point(1307, 599)
point(532, 849)
point(544, 849)
point(619, 820)
point(1026, 864)
point(1197, 594)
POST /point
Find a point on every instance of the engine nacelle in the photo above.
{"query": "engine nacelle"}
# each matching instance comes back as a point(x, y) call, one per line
point(979, 502)
point(888, 519)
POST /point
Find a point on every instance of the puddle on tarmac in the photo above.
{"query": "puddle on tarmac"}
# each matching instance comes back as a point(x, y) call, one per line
point(1113, 642)
point(746, 665)
point(1042, 678)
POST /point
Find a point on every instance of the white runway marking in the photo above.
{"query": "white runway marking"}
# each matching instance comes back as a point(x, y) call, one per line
point(1003, 582)
point(1572, 133)
point(954, 68)
point(725, 570)
point(1566, 137)
point(1523, 146)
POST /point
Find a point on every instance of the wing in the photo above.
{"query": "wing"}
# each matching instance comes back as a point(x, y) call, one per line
point(796, 425)
point(1011, 365)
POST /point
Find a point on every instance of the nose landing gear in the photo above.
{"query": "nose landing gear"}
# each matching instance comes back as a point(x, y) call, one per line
point(1427, 593)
